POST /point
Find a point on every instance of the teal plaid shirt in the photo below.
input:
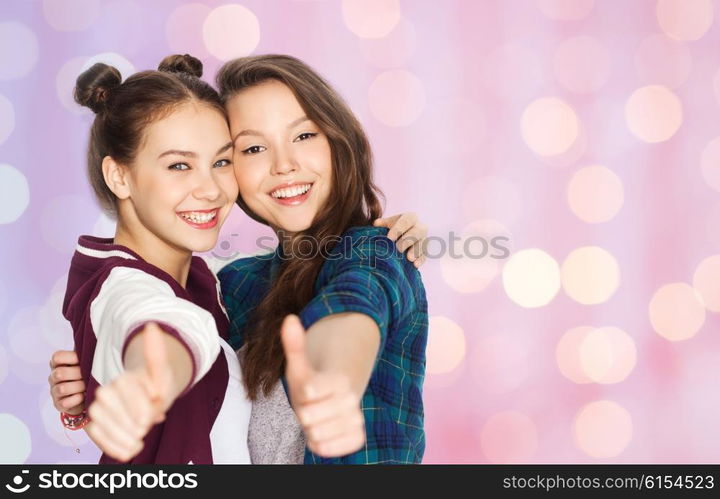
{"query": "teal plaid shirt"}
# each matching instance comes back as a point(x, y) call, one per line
point(363, 273)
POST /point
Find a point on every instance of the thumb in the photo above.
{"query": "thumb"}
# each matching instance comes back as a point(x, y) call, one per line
point(297, 366)
point(156, 362)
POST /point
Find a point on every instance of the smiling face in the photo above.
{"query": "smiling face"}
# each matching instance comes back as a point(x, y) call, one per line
point(282, 159)
point(181, 184)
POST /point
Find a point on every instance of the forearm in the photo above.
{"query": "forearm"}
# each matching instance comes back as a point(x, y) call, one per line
point(179, 362)
point(347, 344)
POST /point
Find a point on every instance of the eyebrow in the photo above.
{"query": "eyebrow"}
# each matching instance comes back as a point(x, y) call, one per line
point(190, 154)
point(255, 132)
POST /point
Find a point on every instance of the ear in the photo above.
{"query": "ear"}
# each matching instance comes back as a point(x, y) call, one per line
point(116, 177)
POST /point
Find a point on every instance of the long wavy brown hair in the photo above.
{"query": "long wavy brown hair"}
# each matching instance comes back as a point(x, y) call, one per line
point(353, 201)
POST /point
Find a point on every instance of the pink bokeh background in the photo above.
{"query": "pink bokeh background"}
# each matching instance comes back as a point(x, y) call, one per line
point(586, 132)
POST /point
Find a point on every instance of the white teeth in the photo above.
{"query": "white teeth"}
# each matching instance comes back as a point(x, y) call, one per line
point(290, 192)
point(199, 218)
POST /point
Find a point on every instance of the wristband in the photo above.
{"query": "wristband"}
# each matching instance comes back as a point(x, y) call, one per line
point(74, 422)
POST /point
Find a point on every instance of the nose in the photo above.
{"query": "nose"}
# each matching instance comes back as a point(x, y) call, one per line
point(207, 187)
point(283, 162)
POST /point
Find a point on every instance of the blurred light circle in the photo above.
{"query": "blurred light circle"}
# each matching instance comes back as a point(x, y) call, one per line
point(14, 194)
point(184, 30)
point(15, 438)
point(662, 60)
point(65, 84)
point(582, 64)
point(63, 218)
point(18, 50)
point(567, 354)
point(677, 311)
point(710, 164)
point(716, 86)
point(595, 194)
point(566, 10)
point(71, 15)
point(371, 18)
point(7, 118)
point(549, 126)
point(572, 155)
point(231, 31)
point(446, 345)
point(706, 281)
point(686, 20)
point(607, 355)
point(476, 256)
point(25, 336)
point(653, 113)
point(500, 363)
point(509, 437)
point(492, 197)
point(590, 275)
point(396, 97)
point(603, 429)
point(111, 59)
point(531, 278)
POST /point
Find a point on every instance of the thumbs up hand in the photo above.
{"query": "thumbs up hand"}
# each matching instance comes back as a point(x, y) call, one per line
point(324, 402)
point(124, 411)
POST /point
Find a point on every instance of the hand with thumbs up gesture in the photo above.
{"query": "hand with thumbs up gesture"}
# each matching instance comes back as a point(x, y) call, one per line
point(325, 403)
point(124, 411)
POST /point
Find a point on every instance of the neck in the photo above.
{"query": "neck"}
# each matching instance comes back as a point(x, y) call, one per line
point(173, 260)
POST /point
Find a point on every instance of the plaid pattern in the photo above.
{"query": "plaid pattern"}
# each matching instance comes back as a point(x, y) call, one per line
point(363, 273)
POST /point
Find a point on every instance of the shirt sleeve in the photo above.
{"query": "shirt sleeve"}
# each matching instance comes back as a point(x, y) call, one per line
point(370, 279)
point(130, 298)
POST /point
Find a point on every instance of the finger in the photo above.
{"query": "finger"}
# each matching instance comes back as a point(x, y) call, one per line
point(326, 410)
point(386, 222)
point(342, 446)
point(73, 404)
point(418, 263)
point(110, 433)
point(108, 443)
point(63, 357)
point(67, 388)
point(298, 369)
point(111, 409)
point(156, 362)
point(332, 429)
point(413, 240)
point(402, 225)
point(66, 373)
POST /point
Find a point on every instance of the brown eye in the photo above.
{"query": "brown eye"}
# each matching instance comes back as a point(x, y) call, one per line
point(253, 150)
point(305, 136)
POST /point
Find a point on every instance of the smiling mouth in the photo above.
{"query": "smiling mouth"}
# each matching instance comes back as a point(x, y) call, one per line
point(202, 219)
point(290, 192)
point(292, 195)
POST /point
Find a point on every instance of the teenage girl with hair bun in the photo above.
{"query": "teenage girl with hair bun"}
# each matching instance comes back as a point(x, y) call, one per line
point(149, 326)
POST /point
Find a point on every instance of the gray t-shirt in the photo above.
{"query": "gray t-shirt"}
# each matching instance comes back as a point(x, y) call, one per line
point(275, 435)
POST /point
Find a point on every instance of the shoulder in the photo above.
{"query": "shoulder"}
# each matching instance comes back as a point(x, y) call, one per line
point(256, 265)
point(365, 243)
point(136, 278)
point(366, 247)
